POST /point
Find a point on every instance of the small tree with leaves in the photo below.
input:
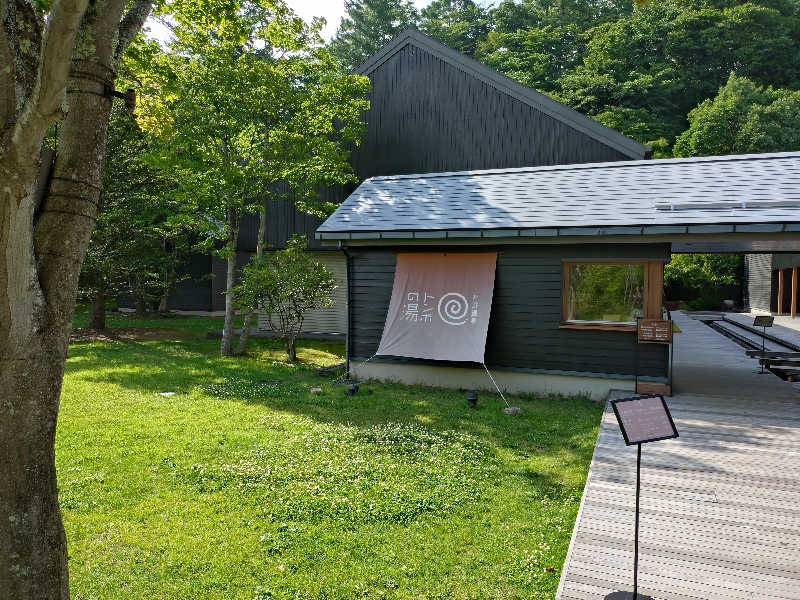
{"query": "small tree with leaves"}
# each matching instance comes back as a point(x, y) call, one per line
point(285, 285)
point(248, 99)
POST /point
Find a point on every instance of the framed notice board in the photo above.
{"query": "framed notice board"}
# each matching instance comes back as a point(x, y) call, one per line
point(654, 331)
point(644, 418)
point(763, 321)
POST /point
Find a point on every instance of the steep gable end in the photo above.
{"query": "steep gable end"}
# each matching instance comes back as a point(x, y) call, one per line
point(515, 125)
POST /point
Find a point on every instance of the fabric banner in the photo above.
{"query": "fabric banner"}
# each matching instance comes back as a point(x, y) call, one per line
point(440, 306)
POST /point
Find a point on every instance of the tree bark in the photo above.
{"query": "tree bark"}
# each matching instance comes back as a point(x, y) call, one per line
point(241, 347)
point(226, 346)
point(141, 306)
point(291, 350)
point(42, 245)
point(97, 311)
point(162, 304)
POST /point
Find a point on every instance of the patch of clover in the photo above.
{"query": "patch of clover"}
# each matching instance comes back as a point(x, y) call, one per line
point(391, 472)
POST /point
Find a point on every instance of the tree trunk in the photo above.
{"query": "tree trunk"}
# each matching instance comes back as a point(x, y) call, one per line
point(33, 552)
point(226, 347)
point(291, 350)
point(42, 245)
point(97, 311)
point(162, 304)
point(241, 348)
point(141, 306)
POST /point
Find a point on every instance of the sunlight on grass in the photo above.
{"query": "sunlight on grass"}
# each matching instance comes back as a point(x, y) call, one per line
point(234, 489)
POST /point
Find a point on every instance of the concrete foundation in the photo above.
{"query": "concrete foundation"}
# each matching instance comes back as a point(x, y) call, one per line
point(477, 379)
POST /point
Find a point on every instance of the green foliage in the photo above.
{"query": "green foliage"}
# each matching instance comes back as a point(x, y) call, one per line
point(743, 117)
point(670, 55)
point(183, 496)
point(247, 98)
point(367, 26)
point(600, 292)
point(285, 285)
point(459, 24)
point(703, 279)
point(699, 271)
point(138, 242)
point(536, 57)
point(512, 15)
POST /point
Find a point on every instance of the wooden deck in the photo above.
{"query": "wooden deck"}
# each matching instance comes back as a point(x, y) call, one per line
point(720, 514)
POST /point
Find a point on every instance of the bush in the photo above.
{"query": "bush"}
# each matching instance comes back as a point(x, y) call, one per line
point(285, 285)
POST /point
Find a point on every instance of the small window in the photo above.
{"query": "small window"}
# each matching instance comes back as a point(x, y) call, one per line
point(610, 295)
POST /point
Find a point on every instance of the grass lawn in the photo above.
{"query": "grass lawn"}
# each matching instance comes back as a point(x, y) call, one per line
point(231, 489)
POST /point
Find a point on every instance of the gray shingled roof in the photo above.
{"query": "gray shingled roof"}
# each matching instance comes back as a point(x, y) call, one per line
point(757, 192)
point(578, 121)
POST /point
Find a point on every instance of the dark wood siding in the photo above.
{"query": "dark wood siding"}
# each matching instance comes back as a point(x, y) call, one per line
point(219, 270)
point(427, 115)
point(526, 311)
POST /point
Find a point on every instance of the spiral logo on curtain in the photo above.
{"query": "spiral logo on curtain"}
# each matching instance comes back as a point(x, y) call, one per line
point(453, 308)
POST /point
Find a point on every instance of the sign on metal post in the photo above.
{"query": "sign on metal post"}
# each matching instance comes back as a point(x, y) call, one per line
point(642, 419)
point(654, 331)
point(763, 321)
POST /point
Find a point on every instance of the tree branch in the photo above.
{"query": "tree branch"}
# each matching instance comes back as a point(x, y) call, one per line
point(21, 36)
point(44, 105)
point(131, 23)
point(7, 91)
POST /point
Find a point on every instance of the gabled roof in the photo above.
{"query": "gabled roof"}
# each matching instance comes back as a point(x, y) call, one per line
point(506, 85)
point(722, 194)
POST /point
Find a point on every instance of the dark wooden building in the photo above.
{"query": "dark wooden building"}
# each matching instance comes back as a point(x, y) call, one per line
point(557, 232)
point(771, 282)
point(432, 109)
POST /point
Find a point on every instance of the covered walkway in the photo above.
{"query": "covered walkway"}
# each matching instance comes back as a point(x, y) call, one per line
point(720, 505)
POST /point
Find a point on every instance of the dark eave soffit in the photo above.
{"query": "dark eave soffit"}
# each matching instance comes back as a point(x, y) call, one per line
point(505, 84)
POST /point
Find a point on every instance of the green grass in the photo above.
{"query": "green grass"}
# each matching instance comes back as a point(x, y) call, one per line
point(235, 490)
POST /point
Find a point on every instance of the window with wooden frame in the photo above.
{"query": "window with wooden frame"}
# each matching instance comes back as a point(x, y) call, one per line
point(610, 295)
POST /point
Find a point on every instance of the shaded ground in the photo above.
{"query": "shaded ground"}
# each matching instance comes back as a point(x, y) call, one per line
point(84, 334)
point(234, 489)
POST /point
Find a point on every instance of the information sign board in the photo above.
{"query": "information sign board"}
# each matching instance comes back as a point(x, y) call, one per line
point(644, 418)
point(763, 321)
point(654, 331)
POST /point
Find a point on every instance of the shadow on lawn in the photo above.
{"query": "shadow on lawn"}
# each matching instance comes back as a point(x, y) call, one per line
point(561, 429)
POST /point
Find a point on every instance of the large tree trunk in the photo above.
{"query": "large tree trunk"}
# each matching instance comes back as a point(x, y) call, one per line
point(42, 245)
point(33, 556)
point(241, 347)
point(97, 311)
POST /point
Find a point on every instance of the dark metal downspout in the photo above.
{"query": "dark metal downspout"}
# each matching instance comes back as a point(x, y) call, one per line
point(348, 268)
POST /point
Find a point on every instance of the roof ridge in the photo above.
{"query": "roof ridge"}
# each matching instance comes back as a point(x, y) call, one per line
point(584, 166)
point(505, 84)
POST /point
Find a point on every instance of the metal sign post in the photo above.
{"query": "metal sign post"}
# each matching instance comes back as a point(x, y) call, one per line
point(763, 321)
point(642, 419)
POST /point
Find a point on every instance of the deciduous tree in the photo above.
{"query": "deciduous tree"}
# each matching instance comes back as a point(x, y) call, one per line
point(285, 285)
point(248, 99)
point(58, 62)
point(672, 54)
point(138, 241)
point(742, 118)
